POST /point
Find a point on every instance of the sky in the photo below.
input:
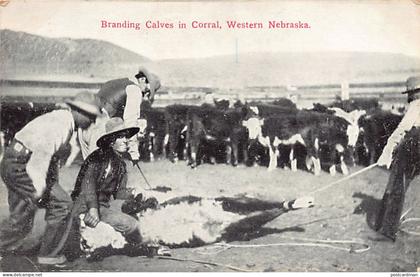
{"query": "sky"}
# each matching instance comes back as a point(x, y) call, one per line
point(373, 26)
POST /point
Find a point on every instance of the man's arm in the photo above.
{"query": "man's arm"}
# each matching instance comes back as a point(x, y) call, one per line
point(131, 115)
point(88, 192)
point(37, 168)
point(405, 125)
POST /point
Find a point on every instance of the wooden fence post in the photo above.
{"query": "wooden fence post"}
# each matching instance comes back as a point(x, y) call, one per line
point(345, 91)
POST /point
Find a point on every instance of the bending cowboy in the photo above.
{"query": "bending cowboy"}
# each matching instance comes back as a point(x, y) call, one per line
point(30, 172)
point(122, 98)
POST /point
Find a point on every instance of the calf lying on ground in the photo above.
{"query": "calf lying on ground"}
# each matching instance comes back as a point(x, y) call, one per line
point(192, 221)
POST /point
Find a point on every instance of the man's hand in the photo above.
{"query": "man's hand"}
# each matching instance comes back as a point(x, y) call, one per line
point(92, 217)
point(135, 162)
point(385, 160)
point(125, 194)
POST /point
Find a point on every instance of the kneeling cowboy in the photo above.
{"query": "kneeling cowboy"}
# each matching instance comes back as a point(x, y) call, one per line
point(101, 185)
point(30, 172)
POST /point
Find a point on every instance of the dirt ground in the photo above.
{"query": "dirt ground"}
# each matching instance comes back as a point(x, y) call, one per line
point(340, 213)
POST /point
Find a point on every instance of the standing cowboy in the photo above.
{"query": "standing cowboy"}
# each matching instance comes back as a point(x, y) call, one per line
point(402, 155)
point(30, 172)
point(122, 98)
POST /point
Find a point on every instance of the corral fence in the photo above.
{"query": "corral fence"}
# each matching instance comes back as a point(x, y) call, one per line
point(388, 93)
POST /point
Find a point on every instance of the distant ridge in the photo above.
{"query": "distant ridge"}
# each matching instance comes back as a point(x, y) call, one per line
point(32, 57)
point(282, 68)
point(27, 55)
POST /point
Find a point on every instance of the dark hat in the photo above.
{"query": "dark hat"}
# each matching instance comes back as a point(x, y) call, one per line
point(87, 102)
point(413, 85)
point(114, 128)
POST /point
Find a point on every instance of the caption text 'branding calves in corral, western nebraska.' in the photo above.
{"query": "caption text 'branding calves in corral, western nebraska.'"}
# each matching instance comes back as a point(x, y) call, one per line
point(195, 24)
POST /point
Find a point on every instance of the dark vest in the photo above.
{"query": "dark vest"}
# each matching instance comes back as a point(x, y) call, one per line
point(106, 186)
point(113, 93)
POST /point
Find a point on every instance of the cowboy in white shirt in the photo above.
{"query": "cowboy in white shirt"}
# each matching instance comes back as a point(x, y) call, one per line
point(30, 172)
point(402, 155)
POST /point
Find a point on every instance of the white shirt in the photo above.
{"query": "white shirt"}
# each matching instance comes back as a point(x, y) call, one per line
point(44, 136)
point(411, 119)
point(88, 137)
point(131, 116)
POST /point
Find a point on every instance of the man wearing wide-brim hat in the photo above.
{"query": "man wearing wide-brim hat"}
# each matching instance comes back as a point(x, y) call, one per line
point(123, 98)
point(30, 172)
point(102, 182)
point(402, 155)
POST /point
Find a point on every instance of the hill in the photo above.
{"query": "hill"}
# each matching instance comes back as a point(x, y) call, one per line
point(28, 56)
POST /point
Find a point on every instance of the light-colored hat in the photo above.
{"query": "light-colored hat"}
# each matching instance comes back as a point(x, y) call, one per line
point(413, 85)
point(114, 128)
point(87, 102)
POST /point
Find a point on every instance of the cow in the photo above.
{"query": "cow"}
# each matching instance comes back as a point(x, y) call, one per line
point(281, 107)
point(153, 141)
point(375, 129)
point(211, 126)
point(367, 104)
point(353, 128)
point(176, 128)
point(267, 109)
point(311, 129)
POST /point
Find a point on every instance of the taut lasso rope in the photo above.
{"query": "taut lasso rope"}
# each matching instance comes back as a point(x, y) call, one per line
point(345, 178)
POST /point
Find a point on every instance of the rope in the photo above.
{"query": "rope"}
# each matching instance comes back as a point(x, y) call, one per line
point(144, 177)
point(32, 263)
point(220, 247)
point(345, 178)
point(205, 263)
point(404, 214)
point(412, 219)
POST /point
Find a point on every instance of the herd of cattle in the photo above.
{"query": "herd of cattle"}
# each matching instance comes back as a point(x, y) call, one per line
point(271, 134)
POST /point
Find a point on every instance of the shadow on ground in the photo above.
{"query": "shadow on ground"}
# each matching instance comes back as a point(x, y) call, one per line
point(369, 206)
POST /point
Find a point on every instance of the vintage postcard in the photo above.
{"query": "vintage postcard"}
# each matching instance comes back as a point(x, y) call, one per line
point(201, 136)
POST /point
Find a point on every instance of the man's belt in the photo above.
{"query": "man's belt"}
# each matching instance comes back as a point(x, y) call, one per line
point(19, 148)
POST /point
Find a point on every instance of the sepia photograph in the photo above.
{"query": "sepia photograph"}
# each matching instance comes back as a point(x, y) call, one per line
point(200, 136)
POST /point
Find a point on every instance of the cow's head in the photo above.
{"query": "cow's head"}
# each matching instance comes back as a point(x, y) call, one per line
point(254, 109)
point(142, 124)
point(353, 129)
point(253, 126)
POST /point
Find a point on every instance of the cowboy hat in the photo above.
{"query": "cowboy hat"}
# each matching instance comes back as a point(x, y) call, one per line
point(151, 79)
point(143, 72)
point(87, 102)
point(115, 128)
point(413, 85)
